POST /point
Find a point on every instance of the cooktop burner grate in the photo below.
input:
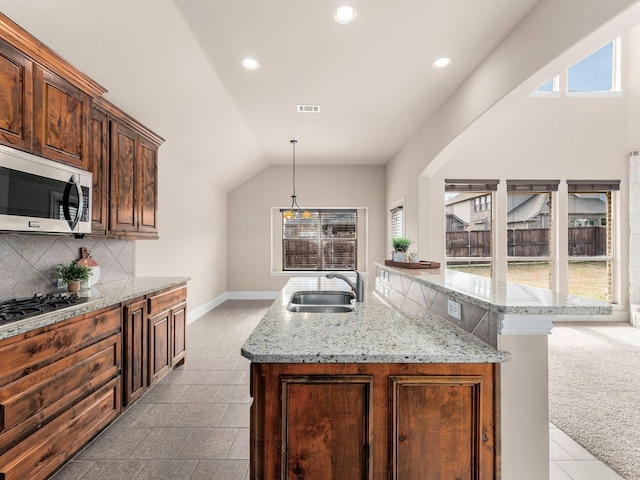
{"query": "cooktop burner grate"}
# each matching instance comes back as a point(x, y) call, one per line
point(19, 309)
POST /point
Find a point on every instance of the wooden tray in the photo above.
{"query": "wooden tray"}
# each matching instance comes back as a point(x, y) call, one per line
point(422, 264)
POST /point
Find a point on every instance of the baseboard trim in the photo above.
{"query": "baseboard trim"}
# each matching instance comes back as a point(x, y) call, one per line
point(196, 313)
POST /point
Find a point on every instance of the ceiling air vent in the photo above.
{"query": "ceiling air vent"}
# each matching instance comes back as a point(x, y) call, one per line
point(308, 108)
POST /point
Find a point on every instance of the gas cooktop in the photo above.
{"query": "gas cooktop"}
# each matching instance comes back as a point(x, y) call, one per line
point(19, 309)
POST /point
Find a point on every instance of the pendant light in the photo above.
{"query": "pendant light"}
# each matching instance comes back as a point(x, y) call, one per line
point(294, 210)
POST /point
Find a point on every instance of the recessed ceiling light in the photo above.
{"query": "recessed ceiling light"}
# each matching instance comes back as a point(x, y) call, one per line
point(250, 64)
point(441, 62)
point(344, 14)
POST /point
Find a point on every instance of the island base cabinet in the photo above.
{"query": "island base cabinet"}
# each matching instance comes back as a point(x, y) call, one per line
point(374, 421)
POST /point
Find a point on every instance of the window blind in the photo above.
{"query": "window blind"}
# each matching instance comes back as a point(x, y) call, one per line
point(470, 185)
point(532, 185)
point(397, 222)
point(326, 241)
point(592, 185)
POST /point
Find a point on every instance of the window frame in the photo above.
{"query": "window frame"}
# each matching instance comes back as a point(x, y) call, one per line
point(533, 187)
point(608, 188)
point(561, 81)
point(485, 188)
point(275, 246)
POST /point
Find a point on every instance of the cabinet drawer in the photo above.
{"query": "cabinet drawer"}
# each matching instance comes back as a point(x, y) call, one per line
point(44, 451)
point(32, 400)
point(20, 358)
point(159, 302)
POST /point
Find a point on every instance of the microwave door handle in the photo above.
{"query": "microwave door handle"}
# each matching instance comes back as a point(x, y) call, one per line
point(67, 211)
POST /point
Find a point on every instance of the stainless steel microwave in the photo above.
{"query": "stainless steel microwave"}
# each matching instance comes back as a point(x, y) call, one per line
point(41, 196)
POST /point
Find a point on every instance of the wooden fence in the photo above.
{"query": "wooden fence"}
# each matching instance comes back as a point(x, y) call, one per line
point(533, 242)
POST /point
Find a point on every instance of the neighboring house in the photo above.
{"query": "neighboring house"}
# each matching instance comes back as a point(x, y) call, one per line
point(472, 211)
point(587, 210)
point(469, 211)
point(528, 211)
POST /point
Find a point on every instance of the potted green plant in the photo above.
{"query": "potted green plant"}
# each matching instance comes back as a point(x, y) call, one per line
point(72, 274)
point(400, 247)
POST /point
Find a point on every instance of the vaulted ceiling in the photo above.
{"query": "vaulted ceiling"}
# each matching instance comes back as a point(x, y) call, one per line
point(175, 65)
point(372, 78)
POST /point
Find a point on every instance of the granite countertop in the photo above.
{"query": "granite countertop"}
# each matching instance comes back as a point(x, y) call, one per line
point(374, 333)
point(504, 297)
point(95, 298)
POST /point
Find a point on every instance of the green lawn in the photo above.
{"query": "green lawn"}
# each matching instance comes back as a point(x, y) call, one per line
point(587, 279)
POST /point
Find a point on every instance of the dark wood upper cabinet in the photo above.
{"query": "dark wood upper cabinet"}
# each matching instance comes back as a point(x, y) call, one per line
point(133, 187)
point(50, 108)
point(45, 102)
point(99, 167)
point(148, 186)
point(61, 120)
point(123, 214)
point(16, 98)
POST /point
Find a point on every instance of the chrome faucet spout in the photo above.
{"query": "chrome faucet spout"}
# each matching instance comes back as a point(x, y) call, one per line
point(358, 287)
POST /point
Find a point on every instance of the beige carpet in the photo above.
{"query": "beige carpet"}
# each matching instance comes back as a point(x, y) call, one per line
point(594, 390)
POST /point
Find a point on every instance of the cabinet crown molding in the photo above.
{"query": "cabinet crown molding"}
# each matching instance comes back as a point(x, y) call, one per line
point(40, 53)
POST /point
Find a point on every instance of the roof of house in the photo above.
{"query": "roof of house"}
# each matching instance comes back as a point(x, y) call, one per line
point(589, 205)
point(529, 209)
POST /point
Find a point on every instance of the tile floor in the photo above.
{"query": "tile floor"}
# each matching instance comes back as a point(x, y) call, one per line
point(194, 424)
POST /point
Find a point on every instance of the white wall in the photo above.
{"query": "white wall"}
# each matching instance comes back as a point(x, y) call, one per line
point(193, 239)
point(249, 215)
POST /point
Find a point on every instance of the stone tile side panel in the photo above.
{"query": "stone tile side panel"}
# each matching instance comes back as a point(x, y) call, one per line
point(415, 300)
point(27, 262)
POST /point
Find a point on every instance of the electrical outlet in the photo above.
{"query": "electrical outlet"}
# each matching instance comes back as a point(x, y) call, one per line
point(454, 309)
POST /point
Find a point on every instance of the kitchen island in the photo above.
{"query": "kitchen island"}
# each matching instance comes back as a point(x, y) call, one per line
point(369, 392)
point(399, 388)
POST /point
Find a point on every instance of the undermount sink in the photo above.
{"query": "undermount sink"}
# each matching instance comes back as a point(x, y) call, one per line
point(321, 302)
point(322, 298)
point(320, 308)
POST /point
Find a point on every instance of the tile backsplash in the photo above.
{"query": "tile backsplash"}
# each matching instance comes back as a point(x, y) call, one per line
point(415, 300)
point(27, 262)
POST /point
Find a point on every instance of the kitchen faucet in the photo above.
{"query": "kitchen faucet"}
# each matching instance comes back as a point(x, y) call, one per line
point(358, 287)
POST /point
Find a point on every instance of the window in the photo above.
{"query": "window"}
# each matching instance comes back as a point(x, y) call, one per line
point(529, 231)
point(597, 73)
point(482, 203)
point(326, 241)
point(397, 222)
point(469, 225)
point(594, 73)
point(552, 85)
point(590, 237)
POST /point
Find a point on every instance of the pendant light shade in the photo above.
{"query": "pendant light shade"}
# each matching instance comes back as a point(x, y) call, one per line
point(294, 211)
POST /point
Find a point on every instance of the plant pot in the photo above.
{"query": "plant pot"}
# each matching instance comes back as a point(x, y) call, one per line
point(73, 286)
point(399, 257)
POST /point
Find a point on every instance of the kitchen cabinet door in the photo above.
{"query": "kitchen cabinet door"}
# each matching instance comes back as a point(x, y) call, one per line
point(159, 345)
point(147, 161)
point(327, 426)
point(123, 216)
point(61, 119)
point(135, 351)
point(436, 428)
point(16, 98)
point(179, 333)
point(99, 167)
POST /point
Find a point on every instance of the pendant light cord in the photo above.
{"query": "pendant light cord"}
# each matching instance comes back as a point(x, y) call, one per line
point(293, 142)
